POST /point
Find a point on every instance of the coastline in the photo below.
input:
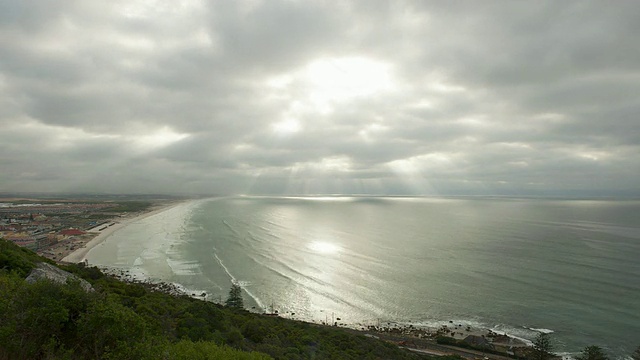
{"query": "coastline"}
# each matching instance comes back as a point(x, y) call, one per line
point(413, 338)
point(80, 254)
point(510, 323)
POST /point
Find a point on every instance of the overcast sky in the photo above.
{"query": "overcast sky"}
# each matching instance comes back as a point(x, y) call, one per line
point(320, 97)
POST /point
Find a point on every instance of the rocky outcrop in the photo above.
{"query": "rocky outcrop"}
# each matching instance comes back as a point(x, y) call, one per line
point(48, 271)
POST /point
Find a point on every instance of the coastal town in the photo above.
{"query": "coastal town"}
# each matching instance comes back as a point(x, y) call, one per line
point(54, 228)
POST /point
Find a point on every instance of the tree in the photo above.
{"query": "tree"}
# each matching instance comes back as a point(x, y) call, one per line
point(542, 347)
point(235, 297)
point(592, 353)
point(109, 327)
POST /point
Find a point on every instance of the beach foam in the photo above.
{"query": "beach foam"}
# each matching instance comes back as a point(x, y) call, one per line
point(80, 254)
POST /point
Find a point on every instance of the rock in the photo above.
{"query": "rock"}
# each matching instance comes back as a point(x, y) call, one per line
point(55, 274)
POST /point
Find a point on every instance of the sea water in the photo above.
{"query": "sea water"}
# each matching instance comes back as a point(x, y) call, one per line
point(570, 267)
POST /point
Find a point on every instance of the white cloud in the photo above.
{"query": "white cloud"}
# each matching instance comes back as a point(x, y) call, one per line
point(312, 97)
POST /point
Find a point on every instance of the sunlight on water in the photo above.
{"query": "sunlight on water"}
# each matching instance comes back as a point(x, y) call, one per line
point(323, 247)
point(512, 265)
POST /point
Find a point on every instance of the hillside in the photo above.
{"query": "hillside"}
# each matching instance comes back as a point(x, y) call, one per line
point(131, 321)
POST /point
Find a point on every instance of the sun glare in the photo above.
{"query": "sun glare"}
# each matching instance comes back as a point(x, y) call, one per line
point(160, 138)
point(288, 126)
point(344, 78)
point(322, 247)
point(323, 83)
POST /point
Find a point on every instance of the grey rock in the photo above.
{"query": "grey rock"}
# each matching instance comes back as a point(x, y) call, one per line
point(48, 271)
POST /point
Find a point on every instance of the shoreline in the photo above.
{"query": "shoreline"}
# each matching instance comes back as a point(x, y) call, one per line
point(79, 255)
point(421, 339)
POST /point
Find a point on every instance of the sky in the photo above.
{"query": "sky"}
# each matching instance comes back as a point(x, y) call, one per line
point(320, 97)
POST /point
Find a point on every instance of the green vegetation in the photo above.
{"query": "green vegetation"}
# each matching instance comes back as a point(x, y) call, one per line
point(235, 297)
point(542, 347)
point(18, 260)
point(447, 340)
point(131, 321)
point(592, 353)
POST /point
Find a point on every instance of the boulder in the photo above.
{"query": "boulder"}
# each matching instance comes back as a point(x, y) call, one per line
point(55, 274)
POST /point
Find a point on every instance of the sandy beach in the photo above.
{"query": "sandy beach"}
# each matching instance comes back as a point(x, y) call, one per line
point(80, 254)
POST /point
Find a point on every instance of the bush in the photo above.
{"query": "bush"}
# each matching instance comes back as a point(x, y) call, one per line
point(17, 259)
point(446, 340)
point(36, 319)
point(109, 326)
point(187, 350)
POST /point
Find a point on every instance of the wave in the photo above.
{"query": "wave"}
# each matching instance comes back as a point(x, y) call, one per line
point(523, 333)
point(184, 268)
point(540, 330)
point(435, 324)
point(606, 228)
point(256, 240)
point(230, 227)
point(514, 334)
point(223, 266)
point(269, 232)
point(242, 285)
point(294, 276)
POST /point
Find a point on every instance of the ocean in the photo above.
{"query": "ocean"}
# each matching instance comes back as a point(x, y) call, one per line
point(567, 267)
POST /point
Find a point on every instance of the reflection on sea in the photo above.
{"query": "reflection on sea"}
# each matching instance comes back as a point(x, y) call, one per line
point(508, 264)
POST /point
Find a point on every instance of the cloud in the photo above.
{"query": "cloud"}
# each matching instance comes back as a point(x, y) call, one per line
point(314, 97)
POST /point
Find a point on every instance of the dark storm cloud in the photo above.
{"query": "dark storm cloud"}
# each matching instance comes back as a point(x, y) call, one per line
point(315, 97)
